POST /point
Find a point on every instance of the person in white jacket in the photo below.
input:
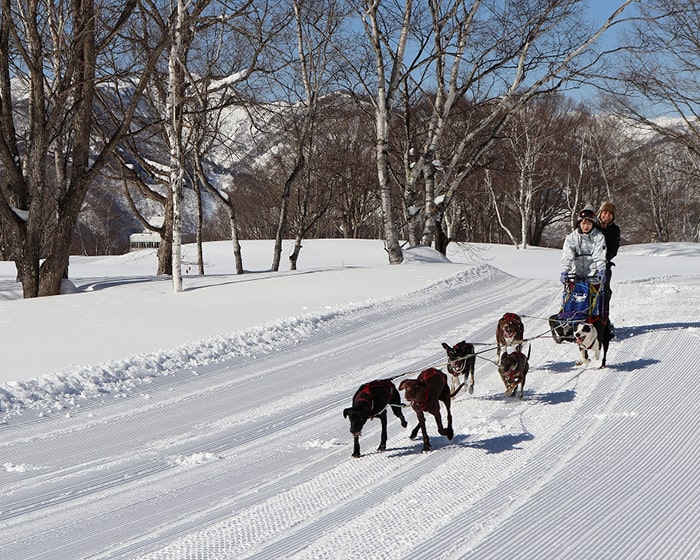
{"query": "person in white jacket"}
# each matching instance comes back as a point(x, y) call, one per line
point(583, 254)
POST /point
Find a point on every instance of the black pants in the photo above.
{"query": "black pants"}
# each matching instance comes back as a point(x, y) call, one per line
point(607, 291)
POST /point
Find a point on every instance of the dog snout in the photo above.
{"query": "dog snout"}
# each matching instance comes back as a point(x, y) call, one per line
point(409, 392)
point(356, 428)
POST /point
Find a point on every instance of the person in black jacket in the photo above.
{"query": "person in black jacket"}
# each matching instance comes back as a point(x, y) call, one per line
point(611, 231)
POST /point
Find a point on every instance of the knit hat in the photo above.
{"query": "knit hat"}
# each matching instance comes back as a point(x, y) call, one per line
point(586, 214)
point(607, 206)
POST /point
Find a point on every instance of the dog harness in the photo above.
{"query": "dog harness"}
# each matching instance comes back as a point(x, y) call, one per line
point(514, 375)
point(425, 377)
point(511, 317)
point(457, 365)
point(365, 393)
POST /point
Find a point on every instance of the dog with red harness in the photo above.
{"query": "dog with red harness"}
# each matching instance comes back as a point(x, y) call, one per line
point(513, 370)
point(371, 401)
point(509, 333)
point(425, 393)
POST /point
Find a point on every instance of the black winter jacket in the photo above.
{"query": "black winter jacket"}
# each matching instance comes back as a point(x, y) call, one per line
point(612, 240)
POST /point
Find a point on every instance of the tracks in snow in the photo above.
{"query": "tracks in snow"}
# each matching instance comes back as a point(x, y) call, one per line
point(249, 456)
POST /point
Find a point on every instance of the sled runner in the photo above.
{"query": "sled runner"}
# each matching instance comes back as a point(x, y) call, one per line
point(582, 302)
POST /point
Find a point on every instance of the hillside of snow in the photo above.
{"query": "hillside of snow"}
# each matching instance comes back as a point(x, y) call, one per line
point(141, 424)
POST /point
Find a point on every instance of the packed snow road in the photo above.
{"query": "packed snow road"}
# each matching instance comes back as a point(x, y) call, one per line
point(249, 456)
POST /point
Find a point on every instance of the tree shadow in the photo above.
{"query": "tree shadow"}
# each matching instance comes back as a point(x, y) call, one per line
point(95, 285)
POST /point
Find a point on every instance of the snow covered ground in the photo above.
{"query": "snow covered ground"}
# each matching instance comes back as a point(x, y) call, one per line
point(142, 424)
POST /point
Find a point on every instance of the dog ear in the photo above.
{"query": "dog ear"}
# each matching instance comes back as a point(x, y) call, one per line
point(347, 412)
point(446, 346)
point(403, 384)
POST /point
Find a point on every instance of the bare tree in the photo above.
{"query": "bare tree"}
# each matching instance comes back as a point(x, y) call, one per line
point(657, 88)
point(211, 62)
point(657, 83)
point(496, 56)
point(538, 142)
point(388, 34)
point(664, 204)
point(531, 52)
point(51, 52)
point(306, 76)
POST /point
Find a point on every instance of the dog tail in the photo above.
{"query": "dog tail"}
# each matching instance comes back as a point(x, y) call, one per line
point(457, 390)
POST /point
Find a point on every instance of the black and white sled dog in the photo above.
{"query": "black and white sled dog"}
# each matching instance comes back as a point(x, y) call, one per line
point(594, 338)
point(460, 361)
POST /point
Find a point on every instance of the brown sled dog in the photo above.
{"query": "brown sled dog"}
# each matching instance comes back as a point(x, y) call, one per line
point(509, 333)
point(513, 370)
point(425, 393)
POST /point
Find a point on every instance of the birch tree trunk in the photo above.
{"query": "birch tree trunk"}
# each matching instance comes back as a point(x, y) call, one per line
point(226, 199)
point(386, 94)
point(174, 132)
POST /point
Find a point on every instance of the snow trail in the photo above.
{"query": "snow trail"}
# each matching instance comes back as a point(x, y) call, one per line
point(235, 447)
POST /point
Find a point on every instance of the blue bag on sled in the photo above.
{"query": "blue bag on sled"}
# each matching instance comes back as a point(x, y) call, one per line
point(581, 302)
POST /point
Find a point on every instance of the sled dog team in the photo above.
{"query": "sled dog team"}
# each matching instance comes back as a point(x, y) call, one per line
point(588, 253)
point(430, 388)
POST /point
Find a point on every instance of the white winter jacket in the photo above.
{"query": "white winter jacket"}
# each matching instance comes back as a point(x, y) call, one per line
point(584, 253)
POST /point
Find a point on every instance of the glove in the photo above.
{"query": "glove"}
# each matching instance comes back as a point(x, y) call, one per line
point(600, 277)
point(564, 278)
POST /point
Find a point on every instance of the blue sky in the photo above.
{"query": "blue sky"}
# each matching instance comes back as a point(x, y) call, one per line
point(602, 9)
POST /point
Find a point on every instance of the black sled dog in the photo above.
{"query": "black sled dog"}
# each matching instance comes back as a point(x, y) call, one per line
point(461, 360)
point(371, 401)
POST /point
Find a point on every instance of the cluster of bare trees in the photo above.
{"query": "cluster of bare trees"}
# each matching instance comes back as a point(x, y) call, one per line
point(420, 120)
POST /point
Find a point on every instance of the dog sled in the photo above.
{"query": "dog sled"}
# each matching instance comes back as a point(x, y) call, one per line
point(583, 301)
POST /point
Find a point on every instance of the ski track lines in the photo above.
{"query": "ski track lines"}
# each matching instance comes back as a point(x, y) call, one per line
point(125, 457)
point(501, 501)
point(447, 476)
point(621, 496)
point(272, 529)
point(250, 458)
